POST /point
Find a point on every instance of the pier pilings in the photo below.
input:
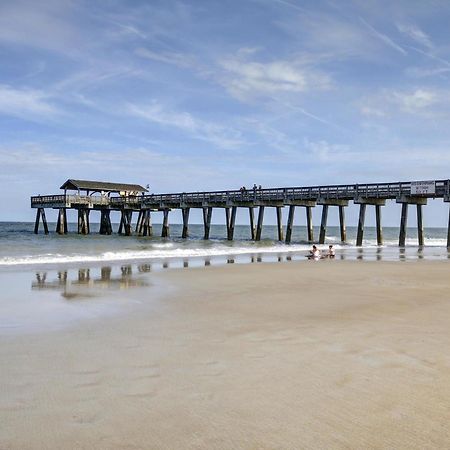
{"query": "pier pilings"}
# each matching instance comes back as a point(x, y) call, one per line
point(326, 202)
point(207, 214)
point(165, 231)
point(185, 215)
point(260, 223)
point(61, 225)
point(405, 201)
point(362, 202)
point(40, 214)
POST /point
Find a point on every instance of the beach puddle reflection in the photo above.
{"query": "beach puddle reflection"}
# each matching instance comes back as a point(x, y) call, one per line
point(88, 282)
point(85, 283)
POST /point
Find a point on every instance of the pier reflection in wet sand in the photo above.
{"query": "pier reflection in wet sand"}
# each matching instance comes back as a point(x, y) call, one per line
point(83, 284)
point(80, 282)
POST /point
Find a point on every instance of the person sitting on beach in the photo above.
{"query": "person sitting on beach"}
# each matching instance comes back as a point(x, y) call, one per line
point(331, 253)
point(314, 253)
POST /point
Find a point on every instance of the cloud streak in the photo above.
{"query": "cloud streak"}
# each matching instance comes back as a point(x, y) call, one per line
point(218, 135)
point(26, 103)
point(383, 37)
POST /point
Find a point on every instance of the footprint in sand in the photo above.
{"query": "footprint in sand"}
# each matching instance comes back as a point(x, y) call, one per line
point(213, 368)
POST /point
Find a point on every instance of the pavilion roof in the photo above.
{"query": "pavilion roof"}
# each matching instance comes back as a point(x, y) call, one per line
point(98, 186)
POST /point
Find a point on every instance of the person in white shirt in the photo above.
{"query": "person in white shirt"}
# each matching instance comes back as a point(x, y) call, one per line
point(314, 253)
point(331, 253)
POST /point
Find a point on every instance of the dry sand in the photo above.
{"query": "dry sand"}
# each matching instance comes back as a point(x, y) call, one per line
point(320, 355)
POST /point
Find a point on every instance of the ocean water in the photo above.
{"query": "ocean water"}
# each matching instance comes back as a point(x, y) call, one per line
point(19, 246)
point(51, 282)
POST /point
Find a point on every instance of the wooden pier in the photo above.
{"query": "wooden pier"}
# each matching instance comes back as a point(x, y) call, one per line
point(130, 198)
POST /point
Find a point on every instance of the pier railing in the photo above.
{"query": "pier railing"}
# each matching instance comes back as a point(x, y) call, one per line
point(249, 196)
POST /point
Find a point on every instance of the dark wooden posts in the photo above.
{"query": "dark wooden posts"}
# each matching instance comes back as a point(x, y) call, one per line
point(105, 222)
point(139, 222)
point(308, 205)
point(207, 214)
point(185, 214)
point(379, 227)
point(361, 220)
point(363, 202)
point(309, 224)
point(403, 225)
point(61, 225)
point(323, 224)
point(230, 219)
point(147, 229)
point(251, 213)
point(290, 223)
point(144, 224)
point(405, 201)
point(165, 232)
point(342, 224)
point(125, 226)
point(260, 223)
point(419, 225)
point(280, 223)
point(40, 213)
point(83, 221)
point(448, 229)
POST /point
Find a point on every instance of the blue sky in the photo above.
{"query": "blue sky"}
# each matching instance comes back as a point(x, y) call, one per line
point(203, 95)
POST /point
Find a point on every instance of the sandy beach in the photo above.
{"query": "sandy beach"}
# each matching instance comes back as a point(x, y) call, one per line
point(328, 354)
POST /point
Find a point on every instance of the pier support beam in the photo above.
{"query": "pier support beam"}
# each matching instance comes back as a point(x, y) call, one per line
point(280, 223)
point(326, 202)
point(309, 224)
point(207, 214)
point(290, 223)
point(419, 225)
point(125, 226)
point(362, 218)
point(342, 224)
point(378, 203)
point(251, 212)
point(405, 201)
point(379, 226)
point(40, 213)
point(231, 219)
point(323, 224)
point(165, 232)
point(185, 213)
point(403, 225)
point(139, 222)
point(147, 229)
point(105, 222)
point(448, 229)
point(260, 223)
point(83, 221)
point(61, 225)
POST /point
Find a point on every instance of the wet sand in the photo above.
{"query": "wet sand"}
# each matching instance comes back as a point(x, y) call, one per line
point(326, 354)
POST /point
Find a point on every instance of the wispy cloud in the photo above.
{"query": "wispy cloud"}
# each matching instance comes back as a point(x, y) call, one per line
point(383, 37)
point(246, 79)
point(26, 103)
point(219, 135)
point(416, 34)
point(421, 102)
point(44, 25)
point(178, 59)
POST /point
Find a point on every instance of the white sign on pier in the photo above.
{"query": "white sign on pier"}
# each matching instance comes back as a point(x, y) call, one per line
point(423, 187)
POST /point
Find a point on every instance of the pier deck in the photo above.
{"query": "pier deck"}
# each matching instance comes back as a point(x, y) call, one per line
point(135, 200)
